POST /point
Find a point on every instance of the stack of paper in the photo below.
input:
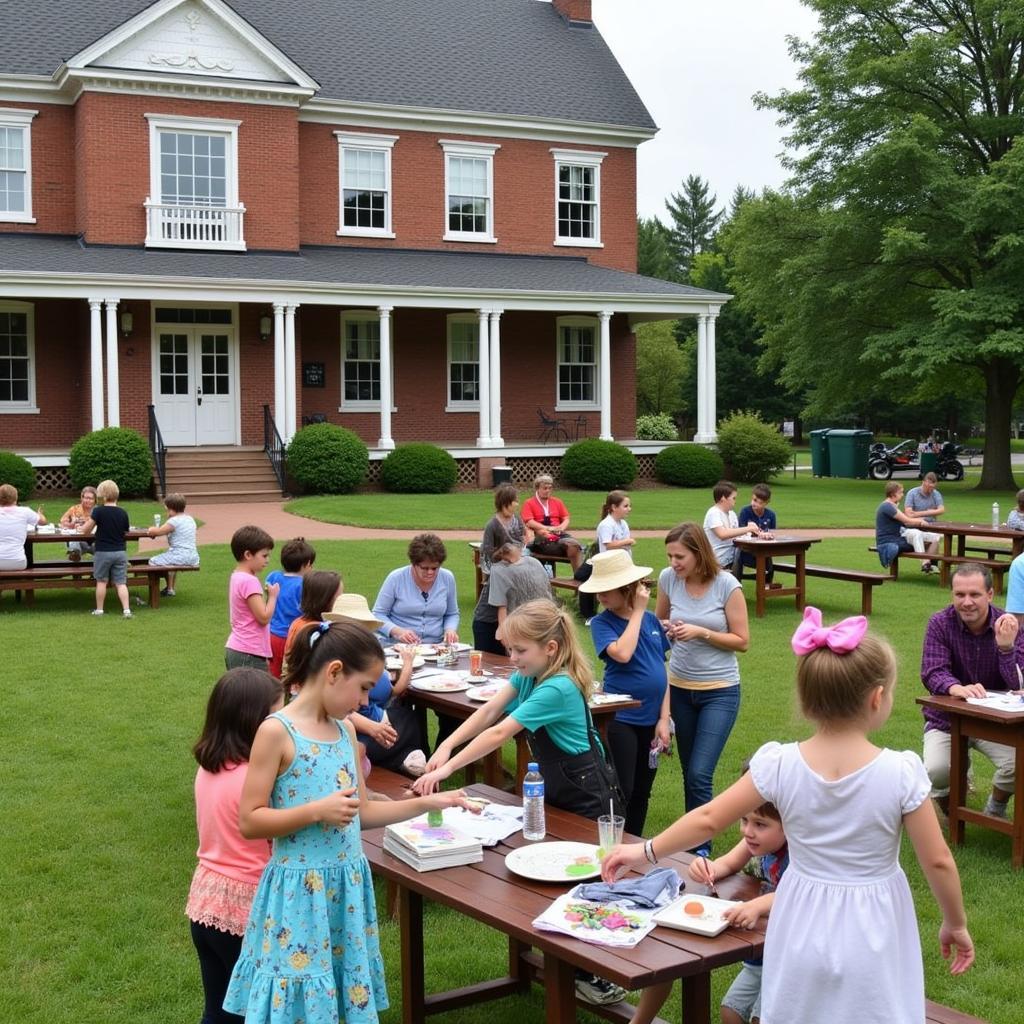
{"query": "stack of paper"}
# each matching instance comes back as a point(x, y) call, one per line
point(428, 848)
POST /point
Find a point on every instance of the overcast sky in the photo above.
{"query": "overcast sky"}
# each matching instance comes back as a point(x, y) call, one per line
point(696, 66)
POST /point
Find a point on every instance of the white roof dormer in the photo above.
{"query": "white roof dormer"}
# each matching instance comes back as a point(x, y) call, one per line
point(192, 43)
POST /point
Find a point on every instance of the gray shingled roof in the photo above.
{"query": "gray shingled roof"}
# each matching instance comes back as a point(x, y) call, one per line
point(492, 56)
point(344, 265)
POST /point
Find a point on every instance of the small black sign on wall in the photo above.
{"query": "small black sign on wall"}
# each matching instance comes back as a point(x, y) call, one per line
point(313, 375)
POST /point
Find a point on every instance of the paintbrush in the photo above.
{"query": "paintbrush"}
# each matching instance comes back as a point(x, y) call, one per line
point(712, 890)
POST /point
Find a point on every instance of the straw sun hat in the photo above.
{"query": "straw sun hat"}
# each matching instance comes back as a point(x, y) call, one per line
point(354, 608)
point(613, 569)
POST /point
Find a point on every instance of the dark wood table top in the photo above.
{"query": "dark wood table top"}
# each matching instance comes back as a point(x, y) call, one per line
point(959, 706)
point(777, 543)
point(66, 536)
point(974, 530)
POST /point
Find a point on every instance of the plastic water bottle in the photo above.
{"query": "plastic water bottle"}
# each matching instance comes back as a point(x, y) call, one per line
point(995, 515)
point(533, 803)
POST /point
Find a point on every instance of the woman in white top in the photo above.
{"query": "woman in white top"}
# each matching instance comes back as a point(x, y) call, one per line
point(14, 524)
point(721, 526)
point(612, 535)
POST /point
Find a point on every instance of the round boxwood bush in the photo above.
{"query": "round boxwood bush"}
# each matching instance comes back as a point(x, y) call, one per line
point(115, 453)
point(752, 449)
point(656, 427)
point(688, 465)
point(327, 459)
point(595, 465)
point(19, 473)
point(418, 469)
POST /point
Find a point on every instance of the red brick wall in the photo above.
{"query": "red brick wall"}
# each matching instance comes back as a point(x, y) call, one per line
point(53, 178)
point(112, 166)
point(574, 10)
point(524, 191)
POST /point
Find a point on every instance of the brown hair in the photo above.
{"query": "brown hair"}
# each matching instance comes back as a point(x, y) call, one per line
point(614, 500)
point(427, 547)
point(251, 539)
point(239, 701)
point(504, 495)
point(973, 569)
point(723, 489)
point(693, 537)
point(8, 494)
point(354, 646)
point(762, 491)
point(892, 487)
point(319, 589)
point(175, 502)
point(832, 687)
point(296, 553)
point(542, 620)
point(767, 809)
point(931, 478)
point(1020, 500)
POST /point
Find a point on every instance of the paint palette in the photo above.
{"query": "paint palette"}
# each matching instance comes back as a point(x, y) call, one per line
point(555, 862)
point(699, 914)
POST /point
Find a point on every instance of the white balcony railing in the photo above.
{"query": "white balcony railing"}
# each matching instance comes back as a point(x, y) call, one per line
point(170, 226)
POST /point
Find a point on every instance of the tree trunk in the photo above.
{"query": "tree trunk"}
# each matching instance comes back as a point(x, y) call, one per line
point(1002, 377)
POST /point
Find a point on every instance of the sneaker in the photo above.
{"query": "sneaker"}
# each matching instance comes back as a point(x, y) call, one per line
point(74, 556)
point(927, 567)
point(598, 991)
point(995, 808)
point(167, 592)
point(127, 613)
point(97, 611)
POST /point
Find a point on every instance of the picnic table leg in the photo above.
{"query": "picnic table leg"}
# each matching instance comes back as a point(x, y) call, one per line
point(518, 968)
point(865, 598)
point(947, 550)
point(410, 916)
point(958, 765)
point(760, 584)
point(801, 580)
point(154, 591)
point(696, 997)
point(559, 990)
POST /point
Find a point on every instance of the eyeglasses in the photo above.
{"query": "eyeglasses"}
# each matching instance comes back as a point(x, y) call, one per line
point(428, 568)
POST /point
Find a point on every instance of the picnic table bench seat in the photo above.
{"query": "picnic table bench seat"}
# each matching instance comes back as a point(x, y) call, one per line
point(936, 1013)
point(867, 580)
point(995, 566)
point(78, 576)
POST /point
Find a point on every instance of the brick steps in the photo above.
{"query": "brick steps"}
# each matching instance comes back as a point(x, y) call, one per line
point(222, 475)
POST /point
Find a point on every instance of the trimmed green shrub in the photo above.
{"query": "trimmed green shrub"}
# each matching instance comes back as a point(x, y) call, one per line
point(19, 473)
point(688, 465)
point(656, 427)
point(595, 465)
point(324, 458)
point(418, 469)
point(752, 449)
point(114, 453)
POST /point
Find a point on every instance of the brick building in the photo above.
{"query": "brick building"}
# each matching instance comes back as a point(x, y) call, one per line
point(410, 218)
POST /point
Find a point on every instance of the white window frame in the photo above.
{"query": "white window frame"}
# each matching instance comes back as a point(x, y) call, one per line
point(580, 158)
point(372, 143)
point(461, 406)
point(363, 315)
point(578, 321)
point(474, 151)
point(29, 405)
point(17, 118)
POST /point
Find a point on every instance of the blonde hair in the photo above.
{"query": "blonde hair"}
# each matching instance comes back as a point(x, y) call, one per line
point(107, 490)
point(541, 621)
point(832, 688)
point(8, 494)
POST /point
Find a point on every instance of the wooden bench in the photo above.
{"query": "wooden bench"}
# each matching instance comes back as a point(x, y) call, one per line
point(996, 567)
point(565, 582)
point(867, 580)
point(78, 576)
point(936, 1013)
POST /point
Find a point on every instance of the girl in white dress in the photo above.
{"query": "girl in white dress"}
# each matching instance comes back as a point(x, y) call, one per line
point(842, 943)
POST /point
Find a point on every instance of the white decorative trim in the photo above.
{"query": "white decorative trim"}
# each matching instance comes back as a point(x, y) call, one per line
point(475, 151)
point(28, 407)
point(18, 117)
point(579, 158)
point(375, 144)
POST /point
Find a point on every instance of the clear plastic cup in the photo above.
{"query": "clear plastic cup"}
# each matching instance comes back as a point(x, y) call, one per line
point(609, 832)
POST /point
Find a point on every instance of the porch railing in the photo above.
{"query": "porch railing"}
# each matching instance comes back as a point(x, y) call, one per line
point(194, 227)
point(158, 450)
point(273, 446)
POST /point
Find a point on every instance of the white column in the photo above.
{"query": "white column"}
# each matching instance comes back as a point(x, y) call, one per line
point(484, 385)
point(289, 372)
point(387, 400)
point(605, 370)
point(96, 362)
point(711, 383)
point(279, 384)
point(113, 377)
point(703, 435)
point(496, 439)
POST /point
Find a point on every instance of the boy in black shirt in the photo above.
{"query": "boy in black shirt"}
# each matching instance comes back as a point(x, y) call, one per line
point(110, 560)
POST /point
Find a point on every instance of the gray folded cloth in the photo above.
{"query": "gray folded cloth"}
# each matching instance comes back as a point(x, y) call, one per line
point(655, 889)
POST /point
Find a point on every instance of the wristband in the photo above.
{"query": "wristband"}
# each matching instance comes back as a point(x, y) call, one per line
point(649, 851)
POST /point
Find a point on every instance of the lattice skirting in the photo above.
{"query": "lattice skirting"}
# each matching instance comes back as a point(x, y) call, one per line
point(525, 469)
point(53, 480)
point(467, 473)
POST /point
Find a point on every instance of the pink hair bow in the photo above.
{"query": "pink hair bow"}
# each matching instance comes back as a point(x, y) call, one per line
point(841, 638)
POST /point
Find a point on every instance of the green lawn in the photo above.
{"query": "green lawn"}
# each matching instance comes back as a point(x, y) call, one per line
point(99, 838)
point(799, 501)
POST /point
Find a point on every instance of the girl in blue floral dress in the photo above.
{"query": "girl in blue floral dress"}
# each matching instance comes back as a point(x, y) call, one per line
point(310, 952)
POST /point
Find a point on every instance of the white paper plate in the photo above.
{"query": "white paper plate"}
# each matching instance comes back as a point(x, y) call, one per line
point(394, 664)
point(440, 684)
point(708, 922)
point(597, 699)
point(429, 651)
point(555, 862)
point(483, 693)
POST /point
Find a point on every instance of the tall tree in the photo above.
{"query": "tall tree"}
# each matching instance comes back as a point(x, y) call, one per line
point(900, 248)
point(660, 369)
point(653, 257)
point(694, 221)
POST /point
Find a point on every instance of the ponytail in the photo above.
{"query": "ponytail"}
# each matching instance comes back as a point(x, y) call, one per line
point(541, 621)
point(614, 499)
point(315, 645)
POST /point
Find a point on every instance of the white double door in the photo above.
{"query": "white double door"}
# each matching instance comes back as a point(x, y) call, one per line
point(196, 385)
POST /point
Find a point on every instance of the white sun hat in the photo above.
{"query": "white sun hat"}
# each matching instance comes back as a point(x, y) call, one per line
point(613, 569)
point(354, 608)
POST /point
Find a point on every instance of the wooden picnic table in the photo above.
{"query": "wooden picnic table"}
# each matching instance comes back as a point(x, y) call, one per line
point(961, 531)
point(490, 893)
point(762, 550)
point(970, 721)
point(458, 705)
point(59, 536)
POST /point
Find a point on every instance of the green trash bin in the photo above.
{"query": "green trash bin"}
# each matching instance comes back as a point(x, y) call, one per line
point(819, 453)
point(848, 452)
point(929, 460)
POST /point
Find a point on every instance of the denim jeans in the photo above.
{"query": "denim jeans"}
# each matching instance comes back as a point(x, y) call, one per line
point(704, 719)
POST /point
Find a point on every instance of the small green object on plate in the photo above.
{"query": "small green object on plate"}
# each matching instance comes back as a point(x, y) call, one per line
point(574, 870)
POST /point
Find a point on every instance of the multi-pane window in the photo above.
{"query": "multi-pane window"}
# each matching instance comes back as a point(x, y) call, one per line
point(215, 364)
point(193, 169)
point(15, 355)
point(360, 369)
point(365, 172)
point(577, 197)
point(463, 361)
point(174, 364)
point(16, 165)
point(577, 364)
point(469, 191)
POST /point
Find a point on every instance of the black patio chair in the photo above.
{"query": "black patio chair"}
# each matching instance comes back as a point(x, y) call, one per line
point(552, 429)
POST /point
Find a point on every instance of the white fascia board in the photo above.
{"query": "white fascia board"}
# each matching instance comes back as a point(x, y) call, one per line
point(32, 89)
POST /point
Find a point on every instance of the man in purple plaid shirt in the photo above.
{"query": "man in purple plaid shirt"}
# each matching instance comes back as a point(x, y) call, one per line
point(970, 647)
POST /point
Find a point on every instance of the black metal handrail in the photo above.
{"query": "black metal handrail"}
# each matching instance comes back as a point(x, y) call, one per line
point(158, 450)
point(273, 446)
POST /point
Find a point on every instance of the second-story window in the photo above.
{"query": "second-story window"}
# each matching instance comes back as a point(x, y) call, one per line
point(16, 165)
point(364, 162)
point(577, 197)
point(469, 191)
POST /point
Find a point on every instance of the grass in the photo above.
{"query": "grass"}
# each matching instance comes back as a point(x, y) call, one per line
point(99, 838)
point(799, 501)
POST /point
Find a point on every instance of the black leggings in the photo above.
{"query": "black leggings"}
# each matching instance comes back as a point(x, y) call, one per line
point(218, 952)
point(630, 747)
point(484, 638)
